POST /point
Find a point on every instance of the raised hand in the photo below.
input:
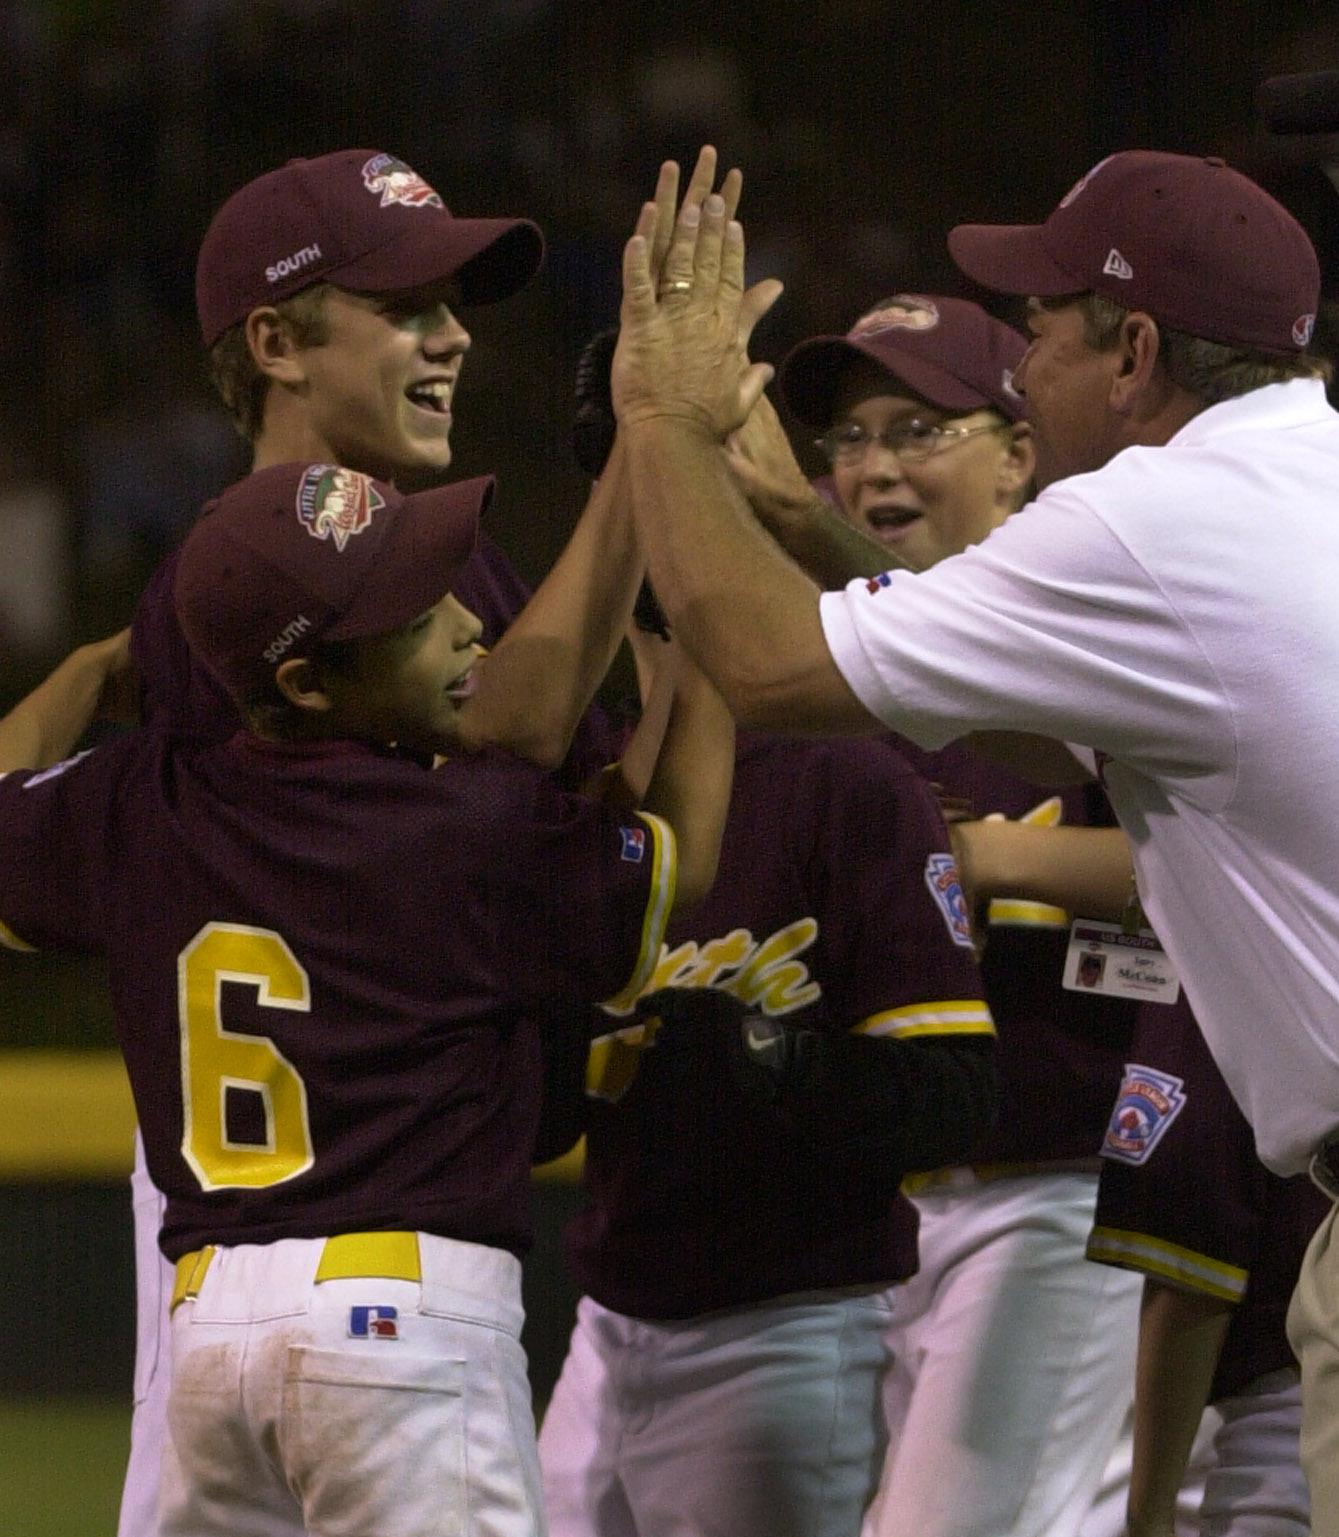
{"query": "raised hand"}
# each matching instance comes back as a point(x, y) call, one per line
point(764, 464)
point(700, 185)
point(686, 318)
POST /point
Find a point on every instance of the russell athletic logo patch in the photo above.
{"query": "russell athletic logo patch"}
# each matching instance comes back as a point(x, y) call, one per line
point(367, 1323)
point(394, 182)
point(1148, 1103)
point(335, 503)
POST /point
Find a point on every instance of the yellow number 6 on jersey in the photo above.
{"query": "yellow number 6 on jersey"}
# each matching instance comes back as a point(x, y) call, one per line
point(214, 1059)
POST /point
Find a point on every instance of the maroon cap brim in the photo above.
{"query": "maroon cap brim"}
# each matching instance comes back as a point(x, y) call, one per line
point(492, 258)
point(430, 537)
point(811, 374)
point(1011, 259)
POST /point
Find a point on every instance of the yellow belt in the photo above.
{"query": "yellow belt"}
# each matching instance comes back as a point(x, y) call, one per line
point(343, 1257)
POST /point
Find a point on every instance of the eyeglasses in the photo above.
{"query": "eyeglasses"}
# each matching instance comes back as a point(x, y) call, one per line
point(911, 441)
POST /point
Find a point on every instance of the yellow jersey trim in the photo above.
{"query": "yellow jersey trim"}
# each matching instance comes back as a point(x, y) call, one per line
point(664, 877)
point(1015, 912)
point(11, 941)
point(1155, 1256)
point(953, 1016)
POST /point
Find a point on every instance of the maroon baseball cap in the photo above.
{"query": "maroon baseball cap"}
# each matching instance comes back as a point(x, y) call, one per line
point(950, 351)
point(1188, 240)
point(357, 218)
point(301, 553)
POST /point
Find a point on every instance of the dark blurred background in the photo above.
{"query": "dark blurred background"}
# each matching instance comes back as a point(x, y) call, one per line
point(865, 127)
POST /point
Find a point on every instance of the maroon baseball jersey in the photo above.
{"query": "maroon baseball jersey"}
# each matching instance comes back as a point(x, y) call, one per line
point(324, 961)
point(1184, 1198)
point(1060, 1052)
point(836, 909)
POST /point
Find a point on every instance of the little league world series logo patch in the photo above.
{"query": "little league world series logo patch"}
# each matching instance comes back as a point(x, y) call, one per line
point(903, 312)
point(941, 877)
point(335, 503)
point(395, 182)
point(1148, 1103)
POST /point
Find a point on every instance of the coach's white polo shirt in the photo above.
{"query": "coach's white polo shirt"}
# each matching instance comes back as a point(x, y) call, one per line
point(1179, 611)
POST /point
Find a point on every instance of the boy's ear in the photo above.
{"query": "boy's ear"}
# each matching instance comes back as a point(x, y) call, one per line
point(300, 682)
point(269, 338)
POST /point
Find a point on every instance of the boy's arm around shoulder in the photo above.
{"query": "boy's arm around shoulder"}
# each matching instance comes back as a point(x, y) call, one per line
point(94, 681)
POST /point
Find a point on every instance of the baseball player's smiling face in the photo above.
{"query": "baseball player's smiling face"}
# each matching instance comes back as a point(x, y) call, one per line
point(378, 390)
point(925, 509)
point(408, 687)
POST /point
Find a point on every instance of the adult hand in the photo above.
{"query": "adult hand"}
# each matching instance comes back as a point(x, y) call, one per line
point(762, 461)
point(595, 425)
point(700, 185)
point(683, 339)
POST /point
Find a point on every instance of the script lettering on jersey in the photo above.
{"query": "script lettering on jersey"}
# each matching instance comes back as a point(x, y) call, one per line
point(288, 265)
point(766, 974)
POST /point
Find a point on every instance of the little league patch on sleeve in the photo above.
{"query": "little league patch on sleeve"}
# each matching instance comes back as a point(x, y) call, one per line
point(374, 1323)
point(941, 876)
point(634, 844)
point(1148, 1103)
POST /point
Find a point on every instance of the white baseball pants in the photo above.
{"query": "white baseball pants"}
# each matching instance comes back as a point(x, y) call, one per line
point(753, 1422)
point(153, 1359)
point(365, 1407)
point(1012, 1362)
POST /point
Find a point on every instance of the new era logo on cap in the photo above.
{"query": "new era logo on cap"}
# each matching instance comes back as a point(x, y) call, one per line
point(1116, 266)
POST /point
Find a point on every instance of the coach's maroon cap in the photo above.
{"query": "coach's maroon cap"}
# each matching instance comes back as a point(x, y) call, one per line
point(1189, 241)
point(949, 351)
point(302, 553)
point(360, 219)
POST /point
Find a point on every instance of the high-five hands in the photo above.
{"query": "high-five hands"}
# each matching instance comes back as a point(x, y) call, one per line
point(687, 318)
point(764, 465)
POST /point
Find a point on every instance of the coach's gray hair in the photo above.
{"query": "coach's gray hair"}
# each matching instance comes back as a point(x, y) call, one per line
point(1210, 371)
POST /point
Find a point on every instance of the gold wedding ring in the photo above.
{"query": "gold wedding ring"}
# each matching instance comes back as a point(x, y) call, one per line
point(677, 286)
